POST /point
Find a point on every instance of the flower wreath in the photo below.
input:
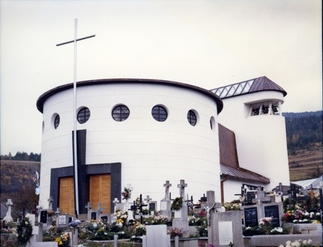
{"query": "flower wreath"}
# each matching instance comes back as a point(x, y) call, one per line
point(177, 203)
point(24, 230)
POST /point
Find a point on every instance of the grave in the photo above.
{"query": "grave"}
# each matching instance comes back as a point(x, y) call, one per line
point(224, 227)
point(180, 216)
point(94, 214)
point(156, 235)
point(253, 213)
point(166, 202)
point(8, 216)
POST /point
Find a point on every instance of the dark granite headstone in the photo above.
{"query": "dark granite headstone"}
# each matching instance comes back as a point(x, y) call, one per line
point(43, 217)
point(93, 215)
point(251, 216)
point(272, 211)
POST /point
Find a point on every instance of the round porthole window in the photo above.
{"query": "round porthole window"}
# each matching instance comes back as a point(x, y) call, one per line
point(120, 113)
point(83, 115)
point(159, 113)
point(191, 117)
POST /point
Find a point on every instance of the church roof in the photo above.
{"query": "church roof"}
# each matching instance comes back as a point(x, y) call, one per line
point(229, 162)
point(41, 100)
point(246, 87)
point(242, 174)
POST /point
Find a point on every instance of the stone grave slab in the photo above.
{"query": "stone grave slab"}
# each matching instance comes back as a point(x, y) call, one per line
point(156, 235)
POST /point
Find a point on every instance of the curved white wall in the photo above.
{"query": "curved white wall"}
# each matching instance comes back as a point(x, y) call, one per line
point(261, 140)
point(151, 152)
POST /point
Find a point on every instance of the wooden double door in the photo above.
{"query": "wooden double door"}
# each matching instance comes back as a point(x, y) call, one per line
point(99, 191)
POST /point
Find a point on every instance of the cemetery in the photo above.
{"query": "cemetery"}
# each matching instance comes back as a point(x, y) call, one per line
point(260, 218)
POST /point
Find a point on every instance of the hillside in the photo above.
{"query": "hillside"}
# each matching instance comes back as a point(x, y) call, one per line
point(16, 174)
point(304, 143)
point(305, 163)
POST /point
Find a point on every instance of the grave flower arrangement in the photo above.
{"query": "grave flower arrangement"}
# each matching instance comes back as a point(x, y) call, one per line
point(299, 243)
point(24, 231)
point(121, 214)
point(139, 229)
point(126, 194)
point(177, 203)
point(231, 206)
point(266, 224)
point(174, 231)
point(63, 240)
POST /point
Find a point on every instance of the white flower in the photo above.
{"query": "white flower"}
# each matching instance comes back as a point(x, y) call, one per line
point(281, 245)
point(309, 241)
point(307, 214)
point(318, 213)
point(27, 215)
point(296, 244)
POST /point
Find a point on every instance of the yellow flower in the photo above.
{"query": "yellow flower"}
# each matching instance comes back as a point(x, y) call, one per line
point(60, 243)
point(120, 220)
point(57, 239)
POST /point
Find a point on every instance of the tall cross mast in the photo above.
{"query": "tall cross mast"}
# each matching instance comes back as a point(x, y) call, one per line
point(76, 197)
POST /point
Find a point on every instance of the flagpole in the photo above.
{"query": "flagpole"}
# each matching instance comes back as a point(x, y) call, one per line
point(75, 123)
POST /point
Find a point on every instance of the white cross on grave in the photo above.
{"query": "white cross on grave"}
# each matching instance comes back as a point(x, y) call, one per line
point(58, 211)
point(88, 206)
point(167, 185)
point(8, 214)
point(100, 209)
point(148, 199)
point(181, 187)
point(50, 203)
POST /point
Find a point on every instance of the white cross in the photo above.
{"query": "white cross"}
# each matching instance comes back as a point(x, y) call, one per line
point(9, 203)
point(74, 112)
point(50, 201)
point(148, 199)
point(88, 206)
point(181, 187)
point(167, 185)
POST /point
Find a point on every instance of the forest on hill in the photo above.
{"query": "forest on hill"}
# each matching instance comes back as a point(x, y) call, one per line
point(303, 131)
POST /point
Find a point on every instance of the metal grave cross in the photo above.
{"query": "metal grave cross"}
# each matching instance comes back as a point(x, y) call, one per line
point(75, 40)
point(181, 187)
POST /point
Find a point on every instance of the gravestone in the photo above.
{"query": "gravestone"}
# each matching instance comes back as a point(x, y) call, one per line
point(62, 221)
point(95, 213)
point(115, 202)
point(224, 227)
point(156, 235)
point(43, 216)
point(152, 207)
point(180, 216)
point(250, 216)
point(50, 203)
point(253, 213)
point(166, 202)
point(8, 216)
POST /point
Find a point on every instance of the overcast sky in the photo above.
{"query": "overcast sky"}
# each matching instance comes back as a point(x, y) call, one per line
point(204, 43)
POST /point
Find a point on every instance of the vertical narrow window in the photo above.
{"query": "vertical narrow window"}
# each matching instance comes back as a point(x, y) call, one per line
point(191, 117)
point(120, 113)
point(83, 115)
point(56, 121)
point(159, 113)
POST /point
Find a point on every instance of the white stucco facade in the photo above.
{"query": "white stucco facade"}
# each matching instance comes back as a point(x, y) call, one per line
point(261, 139)
point(149, 151)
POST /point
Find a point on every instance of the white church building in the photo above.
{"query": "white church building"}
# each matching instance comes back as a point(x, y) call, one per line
point(143, 132)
